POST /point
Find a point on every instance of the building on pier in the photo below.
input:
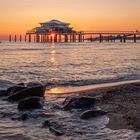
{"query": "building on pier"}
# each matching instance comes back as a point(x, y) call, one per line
point(48, 31)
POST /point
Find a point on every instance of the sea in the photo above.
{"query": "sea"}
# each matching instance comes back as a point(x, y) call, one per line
point(64, 65)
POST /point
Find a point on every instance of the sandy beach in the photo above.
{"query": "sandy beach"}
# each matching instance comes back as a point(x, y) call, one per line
point(123, 104)
point(121, 100)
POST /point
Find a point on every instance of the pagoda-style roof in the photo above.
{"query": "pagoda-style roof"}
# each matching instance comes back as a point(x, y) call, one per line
point(52, 26)
point(55, 22)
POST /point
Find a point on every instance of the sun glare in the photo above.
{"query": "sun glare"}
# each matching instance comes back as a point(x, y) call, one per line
point(52, 35)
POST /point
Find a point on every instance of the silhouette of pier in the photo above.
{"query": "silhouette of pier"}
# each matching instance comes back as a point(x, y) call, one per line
point(58, 31)
point(82, 36)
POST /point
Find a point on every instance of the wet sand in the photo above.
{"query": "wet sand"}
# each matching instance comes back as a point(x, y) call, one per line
point(121, 100)
point(123, 104)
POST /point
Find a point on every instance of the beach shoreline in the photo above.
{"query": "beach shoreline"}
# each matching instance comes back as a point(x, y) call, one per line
point(122, 104)
point(120, 100)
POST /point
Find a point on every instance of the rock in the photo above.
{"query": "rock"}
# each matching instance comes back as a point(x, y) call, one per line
point(30, 103)
point(55, 131)
point(47, 123)
point(3, 93)
point(53, 127)
point(15, 88)
point(69, 100)
point(32, 84)
point(21, 84)
point(38, 91)
point(22, 117)
point(79, 102)
point(92, 113)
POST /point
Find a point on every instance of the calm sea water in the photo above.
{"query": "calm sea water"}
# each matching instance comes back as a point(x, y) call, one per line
point(69, 64)
point(64, 65)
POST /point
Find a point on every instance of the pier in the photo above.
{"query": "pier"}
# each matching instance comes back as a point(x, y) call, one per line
point(122, 37)
point(58, 32)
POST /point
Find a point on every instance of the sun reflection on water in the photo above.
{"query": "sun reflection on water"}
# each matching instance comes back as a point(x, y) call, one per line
point(53, 55)
point(53, 60)
point(56, 91)
point(53, 52)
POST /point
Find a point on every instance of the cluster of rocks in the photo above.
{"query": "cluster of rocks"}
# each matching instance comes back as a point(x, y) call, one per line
point(84, 103)
point(30, 96)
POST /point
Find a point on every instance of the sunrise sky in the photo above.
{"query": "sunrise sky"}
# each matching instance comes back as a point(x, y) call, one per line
point(17, 16)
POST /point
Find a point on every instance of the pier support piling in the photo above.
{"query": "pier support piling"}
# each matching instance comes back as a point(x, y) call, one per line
point(30, 39)
point(60, 39)
point(20, 38)
point(10, 38)
point(37, 38)
point(55, 38)
point(135, 38)
point(25, 38)
point(66, 38)
point(83, 38)
point(124, 38)
point(15, 38)
point(47, 38)
point(73, 38)
point(121, 39)
point(91, 38)
point(79, 37)
point(101, 38)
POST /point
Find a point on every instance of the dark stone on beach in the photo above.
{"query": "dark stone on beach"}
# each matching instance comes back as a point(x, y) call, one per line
point(3, 93)
point(38, 91)
point(92, 114)
point(30, 103)
point(46, 124)
point(22, 117)
point(69, 100)
point(16, 88)
point(54, 127)
point(78, 102)
point(21, 84)
point(32, 84)
point(56, 131)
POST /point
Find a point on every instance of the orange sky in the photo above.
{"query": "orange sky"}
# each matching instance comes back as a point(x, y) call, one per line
point(17, 16)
